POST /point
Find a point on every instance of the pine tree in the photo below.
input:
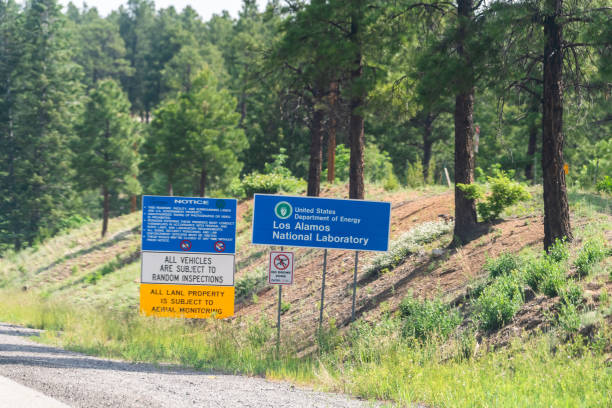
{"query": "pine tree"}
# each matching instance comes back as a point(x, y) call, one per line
point(105, 151)
point(196, 136)
point(44, 104)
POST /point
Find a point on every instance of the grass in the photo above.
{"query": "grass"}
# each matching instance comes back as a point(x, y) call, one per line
point(374, 362)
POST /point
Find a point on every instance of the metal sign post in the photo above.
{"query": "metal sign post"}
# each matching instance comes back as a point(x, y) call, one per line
point(280, 302)
point(354, 286)
point(280, 273)
point(280, 299)
point(323, 290)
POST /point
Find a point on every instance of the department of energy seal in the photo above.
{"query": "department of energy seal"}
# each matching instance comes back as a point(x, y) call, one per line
point(283, 210)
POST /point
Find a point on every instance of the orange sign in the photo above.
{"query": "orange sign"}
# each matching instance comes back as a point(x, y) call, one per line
point(566, 168)
point(187, 301)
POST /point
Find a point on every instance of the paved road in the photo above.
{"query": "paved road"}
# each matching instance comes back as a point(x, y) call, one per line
point(54, 377)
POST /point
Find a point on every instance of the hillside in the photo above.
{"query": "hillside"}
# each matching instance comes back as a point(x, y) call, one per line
point(82, 268)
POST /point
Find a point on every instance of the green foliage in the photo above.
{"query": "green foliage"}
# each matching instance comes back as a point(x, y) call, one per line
point(199, 129)
point(109, 267)
point(276, 179)
point(500, 301)
point(414, 174)
point(377, 165)
point(472, 191)
point(568, 318)
point(553, 281)
point(74, 221)
point(571, 293)
point(559, 251)
point(504, 193)
point(391, 183)
point(427, 319)
point(503, 264)
point(605, 185)
point(538, 270)
point(250, 283)
point(592, 252)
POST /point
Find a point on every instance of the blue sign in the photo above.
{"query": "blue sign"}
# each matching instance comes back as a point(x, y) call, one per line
point(321, 222)
point(188, 224)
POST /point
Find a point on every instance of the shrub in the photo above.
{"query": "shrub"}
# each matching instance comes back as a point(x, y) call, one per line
point(568, 318)
point(545, 275)
point(414, 174)
point(504, 193)
point(250, 283)
point(276, 178)
point(343, 158)
point(536, 271)
point(425, 319)
point(499, 302)
point(265, 184)
point(592, 252)
point(553, 281)
point(377, 163)
point(409, 242)
point(559, 251)
point(571, 293)
point(391, 183)
point(502, 265)
point(605, 185)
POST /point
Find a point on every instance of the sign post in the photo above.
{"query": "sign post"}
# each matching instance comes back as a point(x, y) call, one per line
point(326, 223)
point(188, 247)
point(280, 273)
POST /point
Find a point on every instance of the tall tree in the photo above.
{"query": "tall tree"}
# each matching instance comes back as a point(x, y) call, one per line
point(571, 31)
point(556, 206)
point(196, 136)
point(10, 54)
point(44, 99)
point(105, 154)
point(100, 50)
point(465, 208)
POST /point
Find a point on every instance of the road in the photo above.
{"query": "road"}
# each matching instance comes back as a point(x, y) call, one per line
point(35, 375)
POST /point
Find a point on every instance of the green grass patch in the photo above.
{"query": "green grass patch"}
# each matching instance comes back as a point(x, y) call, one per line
point(428, 318)
point(500, 301)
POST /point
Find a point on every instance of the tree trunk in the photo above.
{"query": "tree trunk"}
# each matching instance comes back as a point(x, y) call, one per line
point(202, 181)
point(465, 208)
point(105, 210)
point(556, 207)
point(316, 151)
point(427, 145)
point(331, 142)
point(356, 135)
point(170, 189)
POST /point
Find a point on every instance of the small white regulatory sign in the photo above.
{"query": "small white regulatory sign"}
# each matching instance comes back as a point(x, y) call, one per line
point(186, 268)
point(281, 268)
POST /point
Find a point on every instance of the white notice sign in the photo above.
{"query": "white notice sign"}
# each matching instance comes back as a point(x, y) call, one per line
point(281, 268)
point(182, 268)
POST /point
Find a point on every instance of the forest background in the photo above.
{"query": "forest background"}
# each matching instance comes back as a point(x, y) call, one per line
point(95, 111)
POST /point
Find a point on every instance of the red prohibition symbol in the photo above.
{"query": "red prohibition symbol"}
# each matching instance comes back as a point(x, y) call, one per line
point(281, 262)
point(186, 245)
point(219, 246)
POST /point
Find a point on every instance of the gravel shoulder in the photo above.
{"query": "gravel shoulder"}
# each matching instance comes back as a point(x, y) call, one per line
point(83, 381)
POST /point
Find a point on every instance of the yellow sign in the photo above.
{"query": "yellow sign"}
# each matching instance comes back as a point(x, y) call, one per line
point(187, 301)
point(566, 168)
